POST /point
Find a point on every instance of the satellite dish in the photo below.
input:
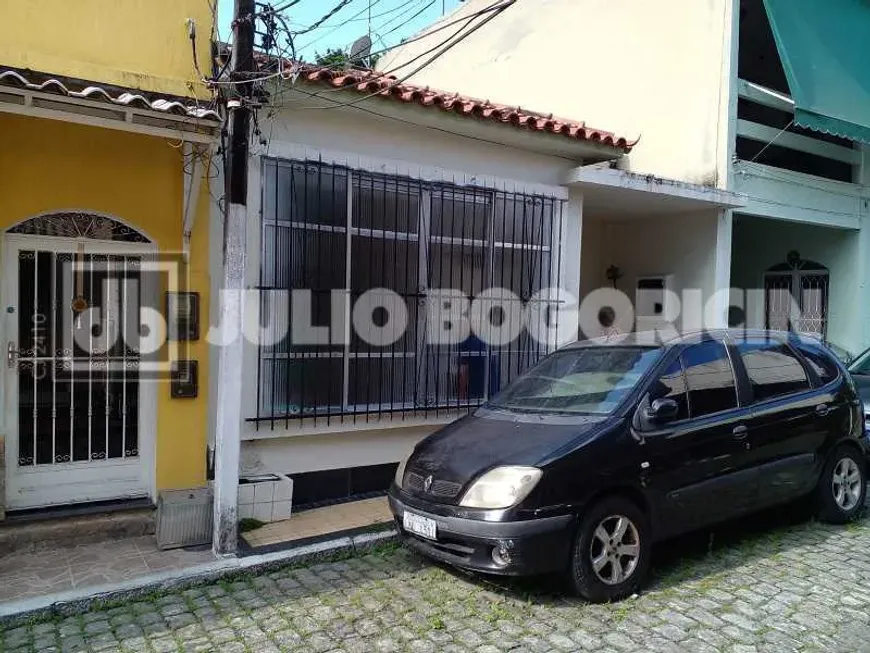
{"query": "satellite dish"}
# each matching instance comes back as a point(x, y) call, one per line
point(361, 48)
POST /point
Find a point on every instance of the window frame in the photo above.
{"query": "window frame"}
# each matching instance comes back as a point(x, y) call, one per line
point(739, 400)
point(746, 382)
point(815, 380)
point(552, 243)
point(664, 365)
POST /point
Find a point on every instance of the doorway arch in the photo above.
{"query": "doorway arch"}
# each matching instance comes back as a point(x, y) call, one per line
point(79, 225)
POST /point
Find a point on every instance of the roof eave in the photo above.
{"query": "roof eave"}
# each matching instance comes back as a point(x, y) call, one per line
point(505, 134)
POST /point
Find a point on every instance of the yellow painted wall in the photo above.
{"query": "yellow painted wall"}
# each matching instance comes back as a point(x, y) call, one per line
point(48, 165)
point(140, 44)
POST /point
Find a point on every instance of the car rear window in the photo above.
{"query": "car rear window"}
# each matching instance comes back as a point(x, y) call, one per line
point(583, 380)
point(821, 361)
point(773, 369)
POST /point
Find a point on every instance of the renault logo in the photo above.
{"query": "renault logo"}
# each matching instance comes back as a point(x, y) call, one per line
point(427, 483)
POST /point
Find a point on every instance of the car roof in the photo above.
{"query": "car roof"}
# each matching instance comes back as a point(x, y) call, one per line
point(655, 339)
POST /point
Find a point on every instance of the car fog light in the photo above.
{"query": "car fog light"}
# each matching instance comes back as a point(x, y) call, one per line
point(501, 554)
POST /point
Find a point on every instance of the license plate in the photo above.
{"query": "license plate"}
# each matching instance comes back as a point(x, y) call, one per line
point(419, 525)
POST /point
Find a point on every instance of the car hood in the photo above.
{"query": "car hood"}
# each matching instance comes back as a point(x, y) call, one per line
point(461, 451)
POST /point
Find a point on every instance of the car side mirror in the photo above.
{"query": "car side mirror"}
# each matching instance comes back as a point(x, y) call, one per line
point(662, 411)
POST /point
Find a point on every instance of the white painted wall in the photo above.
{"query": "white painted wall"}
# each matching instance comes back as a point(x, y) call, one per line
point(793, 196)
point(361, 140)
point(652, 70)
point(761, 243)
point(682, 246)
point(329, 450)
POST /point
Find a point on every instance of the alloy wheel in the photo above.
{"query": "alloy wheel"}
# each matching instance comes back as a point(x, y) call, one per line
point(615, 549)
point(846, 484)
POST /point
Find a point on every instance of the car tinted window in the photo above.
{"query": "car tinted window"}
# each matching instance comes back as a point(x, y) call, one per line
point(773, 369)
point(821, 362)
point(672, 385)
point(709, 379)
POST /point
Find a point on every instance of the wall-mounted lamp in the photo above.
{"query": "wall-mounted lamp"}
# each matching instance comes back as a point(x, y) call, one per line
point(614, 274)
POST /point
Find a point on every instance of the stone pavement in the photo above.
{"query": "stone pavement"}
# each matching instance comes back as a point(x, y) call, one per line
point(776, 582)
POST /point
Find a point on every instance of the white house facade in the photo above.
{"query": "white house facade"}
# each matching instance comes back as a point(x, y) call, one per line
point(357, 194)
point(759, 98)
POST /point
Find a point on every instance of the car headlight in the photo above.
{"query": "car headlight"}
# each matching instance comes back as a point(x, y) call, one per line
point(400, 470)
point(501, 487)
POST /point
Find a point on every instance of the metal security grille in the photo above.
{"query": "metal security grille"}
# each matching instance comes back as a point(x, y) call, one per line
point(339, 233)
point(78, 225)
point(796, 297)
point(77, 388)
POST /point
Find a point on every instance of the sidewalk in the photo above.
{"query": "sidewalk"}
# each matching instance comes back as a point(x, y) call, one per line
point(26, 574)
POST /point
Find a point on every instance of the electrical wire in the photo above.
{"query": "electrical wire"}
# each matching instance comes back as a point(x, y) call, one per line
point(401, 25)
point(394, 83)
point(380, 15)
point(355, 17)
point(278, 94)
point(496, 6)
point(286, 6)
point(406, 8)
point(341, 5)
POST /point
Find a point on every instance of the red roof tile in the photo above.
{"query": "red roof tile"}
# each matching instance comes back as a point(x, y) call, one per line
point(368, 82)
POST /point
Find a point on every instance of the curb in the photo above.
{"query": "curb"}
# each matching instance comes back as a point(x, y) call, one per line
point(16, 613)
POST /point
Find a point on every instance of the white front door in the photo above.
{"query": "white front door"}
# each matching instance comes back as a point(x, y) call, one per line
point(72, 380)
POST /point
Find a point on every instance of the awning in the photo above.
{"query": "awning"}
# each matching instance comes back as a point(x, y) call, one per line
point(824, 46)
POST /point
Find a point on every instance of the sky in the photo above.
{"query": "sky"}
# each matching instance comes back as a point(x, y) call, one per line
point(392, 20)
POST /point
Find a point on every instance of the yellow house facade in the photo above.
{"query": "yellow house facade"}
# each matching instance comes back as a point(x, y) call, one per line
point(106, 155)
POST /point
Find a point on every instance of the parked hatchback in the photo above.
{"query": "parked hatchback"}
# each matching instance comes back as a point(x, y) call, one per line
point(601, 449)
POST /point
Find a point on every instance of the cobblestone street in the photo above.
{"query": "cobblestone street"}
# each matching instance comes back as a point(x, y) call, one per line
point(774, 583)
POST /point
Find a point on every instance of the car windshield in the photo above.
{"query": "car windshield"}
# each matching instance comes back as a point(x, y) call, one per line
point(584, 380)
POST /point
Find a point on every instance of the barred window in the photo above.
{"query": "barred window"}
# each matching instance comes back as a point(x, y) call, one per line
point(338, 233)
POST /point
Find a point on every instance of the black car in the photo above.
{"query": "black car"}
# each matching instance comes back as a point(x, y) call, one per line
point(859, 368)
point(601, 449)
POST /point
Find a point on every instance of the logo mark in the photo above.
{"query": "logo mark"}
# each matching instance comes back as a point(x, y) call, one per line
point(427, 483)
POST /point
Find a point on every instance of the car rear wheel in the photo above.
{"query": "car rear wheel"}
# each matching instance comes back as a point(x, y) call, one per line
point(611, 552)
point(842, 486)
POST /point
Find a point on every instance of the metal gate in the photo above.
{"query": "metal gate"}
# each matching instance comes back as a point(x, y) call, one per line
point(796, 297)
point(73, 381)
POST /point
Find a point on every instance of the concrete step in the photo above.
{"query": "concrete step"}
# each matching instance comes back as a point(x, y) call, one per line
point(69, 527)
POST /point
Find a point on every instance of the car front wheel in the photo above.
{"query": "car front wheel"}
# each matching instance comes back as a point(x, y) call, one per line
point(842, 487)
point(611, 551)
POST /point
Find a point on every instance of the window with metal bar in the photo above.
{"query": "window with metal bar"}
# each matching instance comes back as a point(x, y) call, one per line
point(336, 234)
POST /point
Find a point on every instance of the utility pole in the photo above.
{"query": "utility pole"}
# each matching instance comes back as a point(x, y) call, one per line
point(229, 395)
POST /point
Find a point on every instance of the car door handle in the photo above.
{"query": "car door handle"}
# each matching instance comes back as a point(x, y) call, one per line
point(822, 410)
point(740, 432)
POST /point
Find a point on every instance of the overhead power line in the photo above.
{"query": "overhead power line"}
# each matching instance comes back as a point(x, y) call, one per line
point(286, 6)
point(355, 17)
point(403, 23)
point(341, 5)
point(448, 44)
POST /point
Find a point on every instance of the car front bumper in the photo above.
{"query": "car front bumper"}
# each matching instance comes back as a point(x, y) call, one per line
point(524, 548)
